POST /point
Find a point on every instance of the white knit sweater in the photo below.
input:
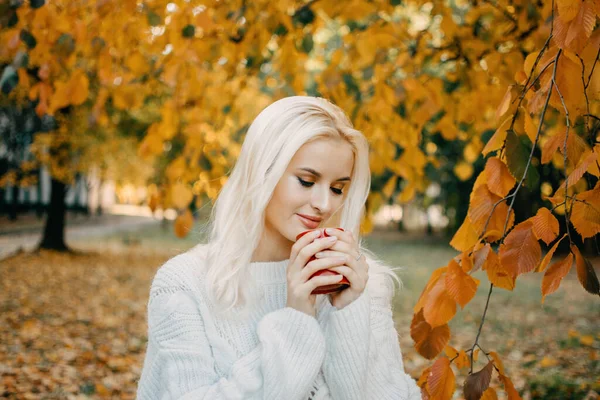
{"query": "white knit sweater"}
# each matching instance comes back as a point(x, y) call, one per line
point(274, 353)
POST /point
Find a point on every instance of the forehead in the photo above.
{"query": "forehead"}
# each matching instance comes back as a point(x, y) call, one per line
point(331, 157)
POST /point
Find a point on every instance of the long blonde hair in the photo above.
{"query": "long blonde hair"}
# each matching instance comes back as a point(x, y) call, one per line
point(237, 219)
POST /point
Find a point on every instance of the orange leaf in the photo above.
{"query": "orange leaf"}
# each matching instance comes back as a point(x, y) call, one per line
point(441, 382)
point(585, 272)
point(461, 286)
point(462, 361)
point(574, 34)
point(510, 388)
point(545, 225)
point(554, 275)
point(548, 256)
point(439, 306)
point(428, 342)
point(184, 223)
point(489, 394)
point(435, 276)
point(498, 363)
point(497, 274)
point(499, 179)
point(482, 204)
point(466, 237)
point(568, 9)
point(520, 252)
point(424, 376)
point(477, 383)
point(552, 145)
point(578, 172)
point(585, 216)
point(480, 256)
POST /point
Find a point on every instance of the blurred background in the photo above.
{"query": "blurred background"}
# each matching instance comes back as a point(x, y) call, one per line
point(120, 120)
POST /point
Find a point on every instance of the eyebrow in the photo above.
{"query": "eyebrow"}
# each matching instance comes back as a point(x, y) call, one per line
point(318, 174)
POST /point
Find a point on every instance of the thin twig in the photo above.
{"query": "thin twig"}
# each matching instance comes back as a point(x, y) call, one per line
point(481, 325)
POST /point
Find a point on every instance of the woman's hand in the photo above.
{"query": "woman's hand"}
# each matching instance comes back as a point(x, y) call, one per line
point(299, 282)
point(356, 271)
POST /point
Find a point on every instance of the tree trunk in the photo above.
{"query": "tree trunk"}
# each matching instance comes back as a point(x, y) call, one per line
point(54, 231)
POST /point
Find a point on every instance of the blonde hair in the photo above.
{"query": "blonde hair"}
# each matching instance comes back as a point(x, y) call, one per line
point(237, 219)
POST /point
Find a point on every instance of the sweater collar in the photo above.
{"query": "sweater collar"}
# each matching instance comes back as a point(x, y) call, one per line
point(270, 271)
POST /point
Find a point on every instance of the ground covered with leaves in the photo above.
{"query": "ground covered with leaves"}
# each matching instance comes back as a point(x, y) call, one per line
point(74, 326)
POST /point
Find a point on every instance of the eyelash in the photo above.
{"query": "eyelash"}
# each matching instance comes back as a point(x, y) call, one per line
point(304, 183)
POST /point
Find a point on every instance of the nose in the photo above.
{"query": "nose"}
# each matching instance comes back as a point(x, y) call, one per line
point(321, 200)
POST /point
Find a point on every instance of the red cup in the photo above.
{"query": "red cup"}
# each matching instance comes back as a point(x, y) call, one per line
point(336, 287)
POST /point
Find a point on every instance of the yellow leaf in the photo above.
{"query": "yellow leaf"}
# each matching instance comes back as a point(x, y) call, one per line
point(505, 103)
point(137, 64)
point(587, 340)
point(568, 9)
point(497, 140)
point(466, 237)
point(548, 361)
point(463, 170)
point(530, 128)
point(181, 195)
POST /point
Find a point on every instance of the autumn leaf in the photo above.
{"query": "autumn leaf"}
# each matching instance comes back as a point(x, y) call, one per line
point(520, 252)
point(498, 274)
point(461, 359)
point(489, 394)
point(578, 172)
point(477, 383)
point(555, 273)
point(499, 179)
point(466, 237)
point(548, 257)
point(439, 306)
point(585, 216)
point(428, 342)
point(545, 225)
point(461, 286)
point(435, 276)
point(510, 388)
point(441, 384)
point(585, 272)
point(480, 209)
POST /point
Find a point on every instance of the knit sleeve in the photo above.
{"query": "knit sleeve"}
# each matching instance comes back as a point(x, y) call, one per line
point(363, 359)
point(284, 364)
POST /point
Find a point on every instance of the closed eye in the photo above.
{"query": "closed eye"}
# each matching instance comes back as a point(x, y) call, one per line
point(338, 192)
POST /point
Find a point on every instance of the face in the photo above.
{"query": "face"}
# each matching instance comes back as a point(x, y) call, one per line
point(318, 194)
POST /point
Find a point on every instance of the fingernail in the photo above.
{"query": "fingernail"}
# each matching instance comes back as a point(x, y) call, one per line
point(329, 231)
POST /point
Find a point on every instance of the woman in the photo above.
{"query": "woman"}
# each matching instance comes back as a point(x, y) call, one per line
point(235, 318)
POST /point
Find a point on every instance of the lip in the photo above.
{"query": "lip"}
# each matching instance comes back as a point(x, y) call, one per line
point(316, 219)
point(310, 224)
